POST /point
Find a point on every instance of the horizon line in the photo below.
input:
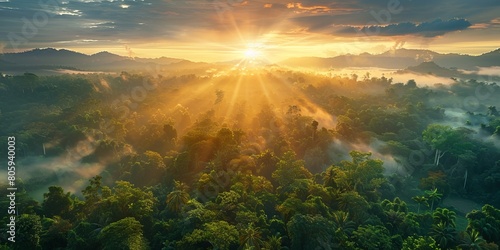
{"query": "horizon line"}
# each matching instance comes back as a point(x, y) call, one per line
point(292, 57)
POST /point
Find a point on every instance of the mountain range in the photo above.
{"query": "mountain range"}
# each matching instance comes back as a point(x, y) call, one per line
point(398, 59)
point(50, 58)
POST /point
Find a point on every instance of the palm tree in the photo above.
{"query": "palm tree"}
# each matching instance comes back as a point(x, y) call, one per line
point(274, 242)
point(445, 216)
point(178, 197)
point(443, 235)
point(329, 177)
point(472, 240)
point(343, 223)
point(394, 220)
point(485, 227)
point(433, 196)
point(251, 238)
point(420, 200)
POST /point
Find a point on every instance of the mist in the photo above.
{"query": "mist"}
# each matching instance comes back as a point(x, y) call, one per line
point(339, 151)
point(423, 80)
point(66, 170)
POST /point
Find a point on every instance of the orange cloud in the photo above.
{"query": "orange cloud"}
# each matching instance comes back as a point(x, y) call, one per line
point(268, 5)
point(495, 21)
point(315, 9)
point(480, 26)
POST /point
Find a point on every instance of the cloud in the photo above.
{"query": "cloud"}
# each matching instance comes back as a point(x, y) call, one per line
point(316, 9)
point(168, 23)
point(493, 23)
point(434, 28)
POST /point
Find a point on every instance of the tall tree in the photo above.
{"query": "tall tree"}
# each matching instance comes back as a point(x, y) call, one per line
point(219, 234)
point(472, 240)
point(420, 200)
point(123, 234)
point(444, 235)
point(251, 238)
point(445, 216)
point(446, 139)
point(419, 243)
point(28, 231)
point(289, 169)
point(487, 222)
point(56, 202)
point(310, 232)
point(372, 237)
point(433, 196)
point(178, 197)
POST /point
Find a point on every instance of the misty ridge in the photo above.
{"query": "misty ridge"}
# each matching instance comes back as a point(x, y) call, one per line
point(50, 58)
point(381, 129)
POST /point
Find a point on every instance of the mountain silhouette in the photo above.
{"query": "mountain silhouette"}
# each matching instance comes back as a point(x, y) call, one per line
point(399, 59)
point(50, 58)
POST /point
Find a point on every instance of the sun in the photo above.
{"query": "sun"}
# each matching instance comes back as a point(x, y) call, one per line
point(251, 53)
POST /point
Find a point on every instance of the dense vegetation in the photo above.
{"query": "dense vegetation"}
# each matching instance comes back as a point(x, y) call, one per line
point(262, 159)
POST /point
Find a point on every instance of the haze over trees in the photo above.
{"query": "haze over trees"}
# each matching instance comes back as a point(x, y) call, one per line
point(251, 159)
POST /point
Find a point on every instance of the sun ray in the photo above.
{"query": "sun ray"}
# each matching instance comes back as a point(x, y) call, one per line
point(234, 97)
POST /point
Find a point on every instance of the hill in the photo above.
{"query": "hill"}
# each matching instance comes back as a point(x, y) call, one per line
point(398, 59)
point(50, 58)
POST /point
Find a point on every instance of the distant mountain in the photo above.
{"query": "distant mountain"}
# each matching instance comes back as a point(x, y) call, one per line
point(105, 57)
point(50, 58)
point(398, 59)
point(39, 57)
point(431, 68)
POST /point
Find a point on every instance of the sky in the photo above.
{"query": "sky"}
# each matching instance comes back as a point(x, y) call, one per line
point(220, 30)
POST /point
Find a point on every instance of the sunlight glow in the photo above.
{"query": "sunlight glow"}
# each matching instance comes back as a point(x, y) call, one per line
point(251, 53)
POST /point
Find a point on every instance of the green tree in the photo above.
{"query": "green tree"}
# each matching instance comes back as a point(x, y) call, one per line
point(178, 197)
point(274, 242)
point(251, 237)
point(419, 243)
point(29, 229)
point(219, 234)
point(56, 202)
point(362, 174)
point(342, 223)
point(123, 234)
point(92, 194)
point(433, 196)
point(124, 200)
point(149, 167)
point(372, 237)
point(396, 205)
point(445, 216)
point(446, 139)
point(310, 232)
point(290, 207)
point(444, 235)
point(437, 136)
point(55, 233)
point(420, 200)
point(485, 221)
point(472, 240)
point(354, 204)
point(84, 236)
point(289, 169)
